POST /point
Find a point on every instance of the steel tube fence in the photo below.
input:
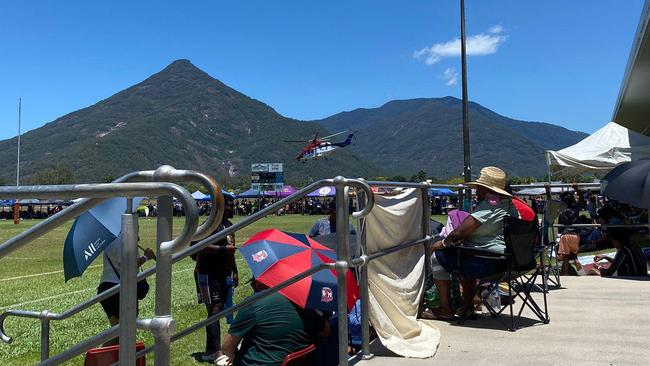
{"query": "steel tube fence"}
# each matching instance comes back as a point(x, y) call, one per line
point(162, 325)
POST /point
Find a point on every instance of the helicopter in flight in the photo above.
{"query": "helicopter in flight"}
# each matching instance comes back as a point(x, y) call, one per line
point(320, 147)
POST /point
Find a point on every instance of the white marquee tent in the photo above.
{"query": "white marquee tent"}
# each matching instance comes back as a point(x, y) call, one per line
point(613, 144)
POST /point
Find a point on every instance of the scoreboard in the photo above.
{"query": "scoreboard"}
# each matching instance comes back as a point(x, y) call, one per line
point(267, 176)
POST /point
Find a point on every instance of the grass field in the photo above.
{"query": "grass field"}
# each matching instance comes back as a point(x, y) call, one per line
point(32, 279)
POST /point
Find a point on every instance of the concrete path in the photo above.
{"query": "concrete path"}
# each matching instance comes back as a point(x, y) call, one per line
point(594, 321)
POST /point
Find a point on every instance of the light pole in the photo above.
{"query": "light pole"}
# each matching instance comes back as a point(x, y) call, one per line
point(20, 101)
point(467, 174)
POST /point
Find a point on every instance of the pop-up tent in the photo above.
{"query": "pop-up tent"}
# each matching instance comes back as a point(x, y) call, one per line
point(199, 196)
point(600, 152)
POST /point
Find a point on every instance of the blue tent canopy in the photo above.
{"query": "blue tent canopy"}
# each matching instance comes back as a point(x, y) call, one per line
point(433, 192)
point(7, 202)
point(227, 194)
point(206, 197)
point(251, 193)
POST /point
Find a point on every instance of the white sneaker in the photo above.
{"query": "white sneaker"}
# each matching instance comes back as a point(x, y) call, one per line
point(223, 360)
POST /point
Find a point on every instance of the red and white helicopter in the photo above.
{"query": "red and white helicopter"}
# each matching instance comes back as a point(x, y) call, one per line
point(318, 147)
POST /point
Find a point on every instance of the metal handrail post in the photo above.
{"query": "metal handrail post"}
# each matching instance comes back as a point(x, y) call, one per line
point(342, 265)
point(45, 336)
point(162, 347)
point(461, 197)
point(363, 287)
point(128, 280)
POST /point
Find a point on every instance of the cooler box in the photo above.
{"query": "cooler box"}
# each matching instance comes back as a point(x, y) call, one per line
point(106, 356)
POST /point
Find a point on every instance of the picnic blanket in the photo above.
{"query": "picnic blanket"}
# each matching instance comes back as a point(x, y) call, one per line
point(396, 281)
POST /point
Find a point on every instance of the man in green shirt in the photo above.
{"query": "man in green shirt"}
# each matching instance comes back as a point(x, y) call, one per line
point(270, 329)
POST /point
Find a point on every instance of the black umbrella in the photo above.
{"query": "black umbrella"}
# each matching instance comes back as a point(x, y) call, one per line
point(629, 183)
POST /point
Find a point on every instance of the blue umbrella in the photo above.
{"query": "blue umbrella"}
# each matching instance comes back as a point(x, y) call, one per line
point(629, 183)
point(91, 233)
point(441, 192)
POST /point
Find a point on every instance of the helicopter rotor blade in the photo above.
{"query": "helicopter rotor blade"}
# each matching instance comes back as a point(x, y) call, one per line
point(336, 134)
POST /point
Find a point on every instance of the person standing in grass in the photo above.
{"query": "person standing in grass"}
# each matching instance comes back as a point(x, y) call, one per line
point(111, 277)
point(215, 271)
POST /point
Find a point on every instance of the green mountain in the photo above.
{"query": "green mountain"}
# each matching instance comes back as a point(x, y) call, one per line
point(405, 136)
point(179, 116)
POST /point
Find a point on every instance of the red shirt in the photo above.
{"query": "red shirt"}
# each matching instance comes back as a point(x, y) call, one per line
point(525, 212)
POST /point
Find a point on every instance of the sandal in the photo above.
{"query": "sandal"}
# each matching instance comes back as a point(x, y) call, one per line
point(433, 315)
point(467, 312)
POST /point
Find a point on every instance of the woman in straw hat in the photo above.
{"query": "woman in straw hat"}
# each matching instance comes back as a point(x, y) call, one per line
point(482, 229)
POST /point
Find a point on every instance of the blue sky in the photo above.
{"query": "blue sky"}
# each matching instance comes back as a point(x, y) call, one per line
point(554, 61)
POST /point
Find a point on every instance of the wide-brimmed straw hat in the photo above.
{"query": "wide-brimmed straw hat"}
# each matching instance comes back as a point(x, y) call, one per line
point(493, 179)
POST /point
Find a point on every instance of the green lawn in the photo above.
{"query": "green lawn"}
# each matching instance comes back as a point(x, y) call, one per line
point(32, 279)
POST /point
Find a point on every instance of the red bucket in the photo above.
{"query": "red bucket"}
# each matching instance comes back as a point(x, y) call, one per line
point(106, 356)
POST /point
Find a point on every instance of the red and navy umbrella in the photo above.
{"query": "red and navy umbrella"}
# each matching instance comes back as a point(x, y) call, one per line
point(275, 256)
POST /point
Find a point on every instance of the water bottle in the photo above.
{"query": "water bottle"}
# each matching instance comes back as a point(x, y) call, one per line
point(496, 298)
point(485, 294)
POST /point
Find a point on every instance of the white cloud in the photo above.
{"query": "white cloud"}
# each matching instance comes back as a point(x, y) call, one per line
point(450, 75)
point(496, 29)
point(477, 45)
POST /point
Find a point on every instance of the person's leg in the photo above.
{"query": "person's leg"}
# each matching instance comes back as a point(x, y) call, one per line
point(469, 288)
point(444, 292)
point(111, 308)
point(213, 332)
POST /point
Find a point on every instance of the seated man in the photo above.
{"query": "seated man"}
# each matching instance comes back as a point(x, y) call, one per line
point(629, 260)
point(270, 329)
point(327, 225)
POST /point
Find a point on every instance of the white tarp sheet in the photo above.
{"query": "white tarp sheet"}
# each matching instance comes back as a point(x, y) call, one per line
point(396, 281)
point(613, 144)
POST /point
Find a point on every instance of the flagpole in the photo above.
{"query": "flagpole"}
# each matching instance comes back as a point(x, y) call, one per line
point(467, 174)
point(20, 101)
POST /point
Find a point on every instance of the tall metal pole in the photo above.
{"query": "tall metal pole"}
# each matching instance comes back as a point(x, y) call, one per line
point(466, 157)
point(20, 102)
point(128, 286)
point(342, 265)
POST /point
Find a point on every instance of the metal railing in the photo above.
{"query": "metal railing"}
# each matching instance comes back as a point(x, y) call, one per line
point(128, 275)
point(162, 326)
point(164, 250)
point(341, 265)
point(365, 200)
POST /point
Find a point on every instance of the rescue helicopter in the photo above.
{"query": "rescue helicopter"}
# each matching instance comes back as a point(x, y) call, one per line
point(320, 147)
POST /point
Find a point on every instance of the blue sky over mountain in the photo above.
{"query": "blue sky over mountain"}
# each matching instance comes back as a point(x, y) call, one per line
point(552, 61)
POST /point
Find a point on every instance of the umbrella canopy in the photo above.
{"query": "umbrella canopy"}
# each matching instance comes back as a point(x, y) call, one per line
point(629, 183)
point(285, 192)
point(91, 233)
point(275, 256)
point(329, 191)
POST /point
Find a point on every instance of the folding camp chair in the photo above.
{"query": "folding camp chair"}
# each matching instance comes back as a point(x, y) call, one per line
point(520, 259)
point(547, 251)
point(300, 358)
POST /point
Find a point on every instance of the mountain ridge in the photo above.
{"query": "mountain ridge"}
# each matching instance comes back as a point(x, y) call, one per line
point(184, 117)
point(523, 142)
point(179, 116)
